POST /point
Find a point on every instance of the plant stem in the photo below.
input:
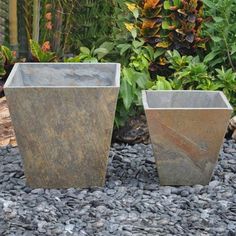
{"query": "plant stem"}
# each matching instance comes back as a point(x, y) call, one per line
point(68, 26)
point(228, 53)
point(36, 18)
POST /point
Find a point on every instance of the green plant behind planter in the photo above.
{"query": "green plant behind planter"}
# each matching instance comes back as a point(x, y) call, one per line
point(221, 29)
point(191, 73)
point(41, 53)
point(168, 25)
point(7, 59)
point(92, 22)
point(93, 54)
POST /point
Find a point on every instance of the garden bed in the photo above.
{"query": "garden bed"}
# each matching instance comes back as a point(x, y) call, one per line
point(131, 203)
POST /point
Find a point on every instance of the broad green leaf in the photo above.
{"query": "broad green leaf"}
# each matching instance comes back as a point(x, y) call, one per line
point(177, 3)
point(123, 48)
point(136, 13)
point(129, 74)
point(84, 50)
point(136, 64)
point(159, 52)
point(126, 94)
point(39, 54)
point(149, 84)
point(35, 49)
point(7, 53)
point(73, 59)
point(134, 33)
point(165, 25)
point(210, 56)
point(100, 52)
point(167, 5)
point(216, 39)
point(218, 19)
point(233, 49)
point(162, 84)
point(91, 60)
point(108, 45)
point(137, 43)
point(2, 70)
point(142, 79)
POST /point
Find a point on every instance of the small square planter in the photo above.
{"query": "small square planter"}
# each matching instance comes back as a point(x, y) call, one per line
point(63, 116)
point(187, 130)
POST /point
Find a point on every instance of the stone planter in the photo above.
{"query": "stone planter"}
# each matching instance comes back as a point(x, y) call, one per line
point(186, 129)
point(63, 116)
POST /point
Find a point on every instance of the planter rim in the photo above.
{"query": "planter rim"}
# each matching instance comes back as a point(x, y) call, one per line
point(222, 95)
point(17, 66)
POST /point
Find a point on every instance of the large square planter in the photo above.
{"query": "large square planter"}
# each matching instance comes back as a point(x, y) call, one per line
point(187, 130)
point(63, 116)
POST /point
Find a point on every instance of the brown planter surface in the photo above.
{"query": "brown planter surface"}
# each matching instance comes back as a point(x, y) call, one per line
point(187, 130)
point(63, 116)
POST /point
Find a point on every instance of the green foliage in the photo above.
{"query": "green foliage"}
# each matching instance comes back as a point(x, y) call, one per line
point(135, 77)
point(221, 29)
point(92, 22)
point(93, 55)
point(136, 57)
point(191, 73)
point(7, 59)
point(172, 24)
point(182, 22)
point(2, 70)
point(161, 84)
point(39, 54)
point(227, 82)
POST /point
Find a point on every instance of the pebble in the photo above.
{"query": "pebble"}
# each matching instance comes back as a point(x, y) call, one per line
point(131, 203)
point(184, 193)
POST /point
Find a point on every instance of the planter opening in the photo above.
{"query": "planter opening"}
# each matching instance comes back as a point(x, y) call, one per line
point(185, 99)
point(64, 75)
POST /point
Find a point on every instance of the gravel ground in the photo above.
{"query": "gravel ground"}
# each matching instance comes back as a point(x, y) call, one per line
point(132, 202)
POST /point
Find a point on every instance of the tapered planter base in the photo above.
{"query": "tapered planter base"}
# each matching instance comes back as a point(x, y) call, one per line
point(63, 117)
point(186, 129)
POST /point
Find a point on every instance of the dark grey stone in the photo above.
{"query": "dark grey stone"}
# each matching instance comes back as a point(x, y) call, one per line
point(132, 203)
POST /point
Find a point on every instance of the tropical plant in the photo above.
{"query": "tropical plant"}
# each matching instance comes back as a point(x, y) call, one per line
point(42, 53)
point(182, 22)
point(227, 82)
point(7, 59)
point(93, 54)
point(167, 25)
point(221, 29)
point(191, 73)
point(135, 58)
point(151, 22)
point(91, 23)
point(170, 24)
point(161, 84)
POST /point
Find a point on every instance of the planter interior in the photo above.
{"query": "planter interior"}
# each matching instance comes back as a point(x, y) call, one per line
point(186, 99)
point(63, 115)
point(186, 129)
point(64, 74)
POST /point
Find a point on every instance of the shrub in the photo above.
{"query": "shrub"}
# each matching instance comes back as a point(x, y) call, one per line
point(221, 29)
